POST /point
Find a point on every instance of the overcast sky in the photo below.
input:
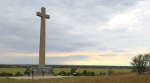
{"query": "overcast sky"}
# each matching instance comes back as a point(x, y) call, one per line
point(82, 32)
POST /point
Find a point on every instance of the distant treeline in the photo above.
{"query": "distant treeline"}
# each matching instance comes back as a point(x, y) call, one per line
point(62, 66)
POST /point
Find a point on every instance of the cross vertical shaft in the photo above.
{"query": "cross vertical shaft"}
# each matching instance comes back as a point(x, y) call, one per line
point(43, 16)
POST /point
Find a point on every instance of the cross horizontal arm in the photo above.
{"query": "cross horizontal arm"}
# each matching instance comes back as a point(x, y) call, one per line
point(38, 14)
point(47, 16)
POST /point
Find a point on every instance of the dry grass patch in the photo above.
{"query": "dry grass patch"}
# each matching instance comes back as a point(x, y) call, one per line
point(88, 79)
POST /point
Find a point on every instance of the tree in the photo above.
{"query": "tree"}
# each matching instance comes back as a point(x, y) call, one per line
point(140, 63)
point(27, 71)
point(84, 73)
point(73, 70)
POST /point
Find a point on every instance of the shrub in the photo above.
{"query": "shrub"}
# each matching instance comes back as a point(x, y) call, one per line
point(76, 74)
point(87, 73)
point(27, 71)
point(6, 74)
point(102, 73)
point(73, 70)
point(84, 73)
point(18, 74)
point(62, 73)
point(110, 72)
point(90, 73)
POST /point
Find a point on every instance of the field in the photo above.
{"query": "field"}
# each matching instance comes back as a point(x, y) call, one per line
point(88, 79)
point(96, 70)
point(12, 70)
point(57, 70)
point(127, 77)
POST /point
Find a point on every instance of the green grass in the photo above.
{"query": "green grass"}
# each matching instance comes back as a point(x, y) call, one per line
point(57, 70)
point(88, 79)
point(12, 70)
point(96, 70)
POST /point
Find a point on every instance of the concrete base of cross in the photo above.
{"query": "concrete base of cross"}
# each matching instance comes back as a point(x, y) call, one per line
point(42, 71)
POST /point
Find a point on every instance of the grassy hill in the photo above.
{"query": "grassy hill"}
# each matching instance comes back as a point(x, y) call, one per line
point(87, 79)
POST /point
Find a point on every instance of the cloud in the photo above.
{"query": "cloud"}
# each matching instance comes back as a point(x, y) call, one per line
point(129, 28)
point(107, 57)
point(130, 18)
point(103, 60)
point(99, 31)
point(72, 23)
